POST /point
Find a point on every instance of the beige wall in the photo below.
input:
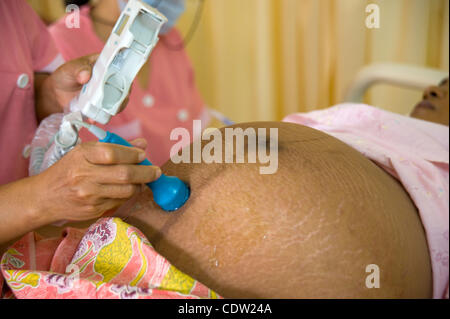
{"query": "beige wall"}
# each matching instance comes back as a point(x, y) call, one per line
point(264, 59)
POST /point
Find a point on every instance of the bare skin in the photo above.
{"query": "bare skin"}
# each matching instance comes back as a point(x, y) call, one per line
point(308, 231)
point(54, 92)
point(334, 213)
point(434, 106)
point(90, 180)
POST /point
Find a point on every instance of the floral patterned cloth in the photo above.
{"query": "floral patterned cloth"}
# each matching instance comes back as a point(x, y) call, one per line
point(415, 152)
point(110, 260)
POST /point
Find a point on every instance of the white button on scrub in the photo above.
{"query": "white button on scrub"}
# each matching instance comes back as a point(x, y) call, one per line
point(26, 152)
point(183, 115)
point(22, 81)
point(148, 100)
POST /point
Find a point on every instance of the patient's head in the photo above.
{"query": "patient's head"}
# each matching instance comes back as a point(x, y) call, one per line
point(309, 230)
point(434, 106)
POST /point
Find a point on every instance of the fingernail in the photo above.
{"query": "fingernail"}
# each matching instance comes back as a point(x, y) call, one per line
point(84, 73)
point(141, 156)
point(158, 173)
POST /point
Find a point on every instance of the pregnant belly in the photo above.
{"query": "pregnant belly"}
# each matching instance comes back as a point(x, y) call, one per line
point(328, 224)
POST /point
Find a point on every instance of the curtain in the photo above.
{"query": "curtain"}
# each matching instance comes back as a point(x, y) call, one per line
point(265, 59)
point(48, 10)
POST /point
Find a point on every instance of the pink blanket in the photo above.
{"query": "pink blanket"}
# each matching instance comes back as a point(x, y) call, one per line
point(413, 151)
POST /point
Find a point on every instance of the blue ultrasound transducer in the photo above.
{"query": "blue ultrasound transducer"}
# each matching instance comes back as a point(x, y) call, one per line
point(169, 192)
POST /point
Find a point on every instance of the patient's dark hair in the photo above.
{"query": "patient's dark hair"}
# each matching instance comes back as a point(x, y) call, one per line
point(77, 2)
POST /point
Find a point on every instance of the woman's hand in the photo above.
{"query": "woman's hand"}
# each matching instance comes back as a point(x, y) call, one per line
point(68, 80)
point(55, 91)
point(91, 179)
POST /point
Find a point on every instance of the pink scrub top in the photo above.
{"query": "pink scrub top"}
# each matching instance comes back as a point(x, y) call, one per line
point(25, 47)
point(171, 99)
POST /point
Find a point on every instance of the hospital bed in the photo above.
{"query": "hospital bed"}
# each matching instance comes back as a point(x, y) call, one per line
point(400, 75)
point(395, 74)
